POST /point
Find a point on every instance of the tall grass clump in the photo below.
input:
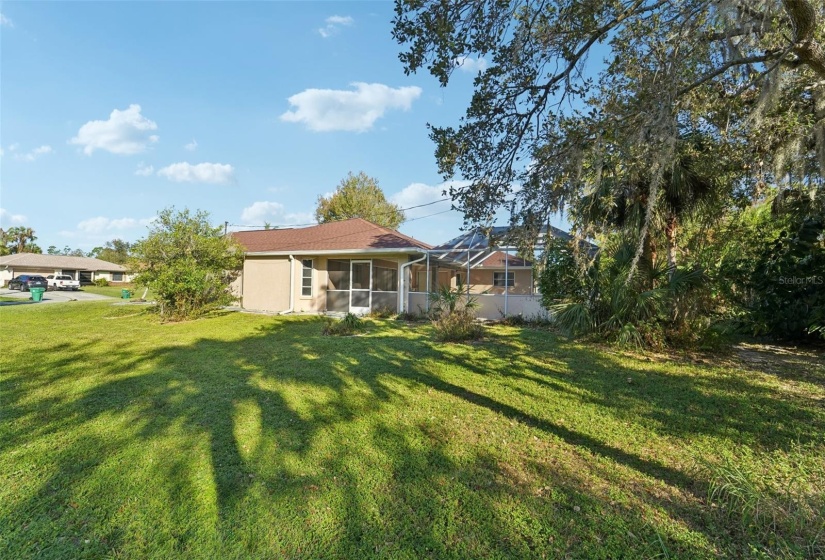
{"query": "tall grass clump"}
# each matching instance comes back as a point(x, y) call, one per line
point(350, 324)
point(776, 503)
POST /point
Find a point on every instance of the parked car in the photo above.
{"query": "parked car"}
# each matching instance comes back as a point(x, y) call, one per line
point(25, 282)
point(62, 282)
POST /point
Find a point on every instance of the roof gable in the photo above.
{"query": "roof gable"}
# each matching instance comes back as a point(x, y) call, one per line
point(346, 235)
point(499, 259)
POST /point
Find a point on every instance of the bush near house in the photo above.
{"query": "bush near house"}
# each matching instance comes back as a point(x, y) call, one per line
point(453, 314)
point(189, 264)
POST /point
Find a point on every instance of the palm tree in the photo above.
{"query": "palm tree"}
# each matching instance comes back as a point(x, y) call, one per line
point(620, 203)
point(21, 237)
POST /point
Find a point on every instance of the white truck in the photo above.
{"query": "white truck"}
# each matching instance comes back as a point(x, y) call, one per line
point(62, 282)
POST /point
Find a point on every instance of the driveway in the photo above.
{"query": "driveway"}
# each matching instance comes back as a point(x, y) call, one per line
point(52, 296)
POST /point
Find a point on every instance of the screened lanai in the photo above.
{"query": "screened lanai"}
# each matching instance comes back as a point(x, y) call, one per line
point(487, 265)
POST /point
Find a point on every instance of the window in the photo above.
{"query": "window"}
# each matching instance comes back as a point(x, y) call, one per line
point(117, 277)
point(306, 278)
point(499, 279)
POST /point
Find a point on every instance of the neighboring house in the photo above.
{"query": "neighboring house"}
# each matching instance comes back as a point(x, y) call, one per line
point(357, 266)
point(84, 269)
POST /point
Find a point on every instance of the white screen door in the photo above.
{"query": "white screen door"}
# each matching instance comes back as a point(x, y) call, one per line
point(360, 287)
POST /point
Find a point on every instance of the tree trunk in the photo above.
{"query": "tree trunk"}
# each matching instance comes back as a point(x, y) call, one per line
point(670, 235)
point(805, 46)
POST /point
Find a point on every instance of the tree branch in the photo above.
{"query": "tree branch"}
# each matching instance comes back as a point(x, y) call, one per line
point(725, 67)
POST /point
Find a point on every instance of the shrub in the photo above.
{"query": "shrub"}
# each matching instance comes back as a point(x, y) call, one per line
point(348, 325)
point(453, 314)
point(772, 268)
point(655, 306)
point(457, 326)
point(514, 320)
point(411, 317)
point(447, 300)
point(382, 313)
point(101, 282)
point(520, 320)
point(188, 263)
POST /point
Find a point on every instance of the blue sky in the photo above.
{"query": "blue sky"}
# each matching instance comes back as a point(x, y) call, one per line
point(111, 111)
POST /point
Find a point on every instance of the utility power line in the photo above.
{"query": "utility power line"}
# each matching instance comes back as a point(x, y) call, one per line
point(379, 214)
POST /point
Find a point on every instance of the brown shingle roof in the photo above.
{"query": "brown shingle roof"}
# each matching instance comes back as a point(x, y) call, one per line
point(346, 235)
point(59, 261)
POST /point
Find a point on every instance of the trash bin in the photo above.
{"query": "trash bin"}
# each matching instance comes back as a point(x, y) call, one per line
point(125, 294)
point(37, 293)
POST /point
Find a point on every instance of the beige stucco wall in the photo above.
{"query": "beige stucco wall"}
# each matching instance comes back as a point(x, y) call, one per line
point(317, 302)
point(108, 276)
point(265, 283)
point(442, 277)
point(481, 282)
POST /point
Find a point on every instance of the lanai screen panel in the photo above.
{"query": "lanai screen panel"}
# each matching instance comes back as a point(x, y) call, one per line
point(338, 287)
point(385, 285)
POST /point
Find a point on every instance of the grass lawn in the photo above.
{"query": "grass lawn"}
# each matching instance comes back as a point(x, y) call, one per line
point(114, 290)
point(245, 436)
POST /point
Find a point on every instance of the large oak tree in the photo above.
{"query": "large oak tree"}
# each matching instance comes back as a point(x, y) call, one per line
point(584, 97)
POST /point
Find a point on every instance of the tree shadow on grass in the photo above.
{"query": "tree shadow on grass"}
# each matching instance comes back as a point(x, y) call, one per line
point(276, 444)
point(681, 399)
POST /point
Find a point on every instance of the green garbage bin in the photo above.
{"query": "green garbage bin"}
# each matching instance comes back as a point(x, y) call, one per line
point(37, 293)
point(125, 294)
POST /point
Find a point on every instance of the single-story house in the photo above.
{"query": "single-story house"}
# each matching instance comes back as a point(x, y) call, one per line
point(84, 269)
point(357, 266)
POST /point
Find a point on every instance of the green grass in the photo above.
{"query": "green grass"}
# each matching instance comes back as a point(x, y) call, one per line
point(245, 436)
point(114, 290)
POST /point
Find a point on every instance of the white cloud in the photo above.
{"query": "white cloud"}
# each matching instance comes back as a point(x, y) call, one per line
point(191, 146)
point(6, 22)
point(125, 132)
point(416, 194)
point(7, 217)
point(471, 65)
point(183, 172)
point(334, 24)
point(102, 224)
point(261, 212)
point(34, 154)
point(2, 152)
point(13, 147)
point(144, 170)
point(324, 110)
point(340, 20)
point(273, 212)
